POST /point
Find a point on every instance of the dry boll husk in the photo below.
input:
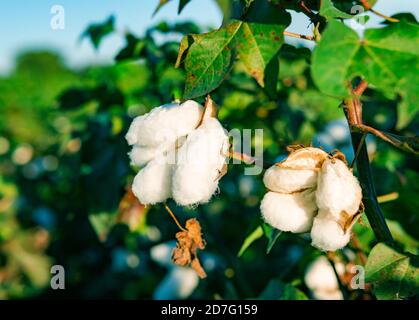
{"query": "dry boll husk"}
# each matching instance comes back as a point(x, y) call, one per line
point(313, 190)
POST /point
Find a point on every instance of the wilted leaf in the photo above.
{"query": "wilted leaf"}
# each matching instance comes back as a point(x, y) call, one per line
point(394, 275)
point(188, 242)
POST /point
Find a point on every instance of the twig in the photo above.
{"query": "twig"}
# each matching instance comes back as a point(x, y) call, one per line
point(408, 144)
point(359, 90)
point(297, 35)
point(307, 11)
point(330, 256)
point(245, 158)
point(388, 197)
point(384, 16)
point(174, 217)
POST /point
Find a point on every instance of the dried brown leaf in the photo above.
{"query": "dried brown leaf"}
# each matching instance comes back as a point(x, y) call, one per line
point(188, 242)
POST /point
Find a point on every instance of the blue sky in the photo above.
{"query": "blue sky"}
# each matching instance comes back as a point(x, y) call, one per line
point(25, 24)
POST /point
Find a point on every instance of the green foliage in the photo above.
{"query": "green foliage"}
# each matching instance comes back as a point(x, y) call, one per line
point(386, 57)
point(394, 275)
point(65, 173)
point(98, 31)
point(256, 42)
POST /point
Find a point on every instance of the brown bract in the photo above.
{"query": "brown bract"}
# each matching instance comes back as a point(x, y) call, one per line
point(188, 242)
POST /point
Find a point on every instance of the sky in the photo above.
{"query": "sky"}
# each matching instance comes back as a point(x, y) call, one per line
point(25, 24)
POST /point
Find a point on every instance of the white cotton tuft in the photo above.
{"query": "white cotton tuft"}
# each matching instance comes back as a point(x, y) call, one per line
point(289, 212)
point(338, 189)
point(287, 180)
point(321, 279)
point(327, 234)
point(152, 184)
point(164, 124)
point(141, 155)
point(200, 161)
point(299, 171)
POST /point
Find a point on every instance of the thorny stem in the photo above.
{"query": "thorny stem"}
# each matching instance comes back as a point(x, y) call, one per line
point(297, 35)
point(174, 217)
point(353, 112)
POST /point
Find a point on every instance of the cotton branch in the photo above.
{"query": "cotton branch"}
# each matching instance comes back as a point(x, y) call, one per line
point(353, 112)
point(297, 35)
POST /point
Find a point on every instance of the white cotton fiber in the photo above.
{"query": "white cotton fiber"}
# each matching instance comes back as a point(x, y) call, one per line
point(298, 172)
point(141, 155)
point(165, 124)
point(289, 212)
point(327, 234)
point(152, 184)
point(200, 161)
point(285, 180)
point(321, 279)
point(337, 189)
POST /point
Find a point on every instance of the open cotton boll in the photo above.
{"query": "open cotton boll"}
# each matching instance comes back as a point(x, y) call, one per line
point(289, 212)
point(152, 184)
point(321, 279)
point(288, 180)
point(338, 189)
point(165, 124)
point(299, 171)
point(200, 161)
point(327, 234)
point(140, 155)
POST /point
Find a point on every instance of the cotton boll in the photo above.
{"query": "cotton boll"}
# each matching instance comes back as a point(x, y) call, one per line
point(200, 161)
point(165, 124)
point(152, 184)
point(321, 279)
point(297, 172)
point(289, 212)
point(338, 190)
point(288, 180)
point(306, 158)
point(327, 234)
point(140, 155)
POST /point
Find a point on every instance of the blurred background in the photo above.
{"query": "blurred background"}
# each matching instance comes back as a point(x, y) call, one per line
point(67, 97)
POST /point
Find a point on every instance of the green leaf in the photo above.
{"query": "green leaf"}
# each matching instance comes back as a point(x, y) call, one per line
point(272, 234)
point(182, 4)
point(252, 237)
point(96, 32)
point(394, 275)
point(254, 41)
point(132, 49)
point(329, 11)
point(388, 58)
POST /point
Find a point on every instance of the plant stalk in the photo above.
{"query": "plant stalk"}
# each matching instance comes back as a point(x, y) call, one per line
point(353, 112)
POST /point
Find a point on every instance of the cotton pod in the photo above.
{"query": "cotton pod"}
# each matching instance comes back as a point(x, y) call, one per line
point(298, 172)
point(201, 160)
point(338, 191)
point(141, 155)
point(152, 184)
point(327, 234)
point(164, 124)
point(289, 212)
